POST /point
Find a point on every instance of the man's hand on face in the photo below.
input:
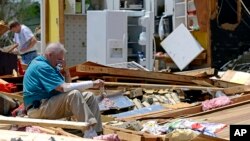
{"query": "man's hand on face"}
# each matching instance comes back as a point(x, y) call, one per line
point(62, 64)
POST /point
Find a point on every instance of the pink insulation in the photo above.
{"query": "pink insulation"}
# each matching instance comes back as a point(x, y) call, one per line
point(216, 102)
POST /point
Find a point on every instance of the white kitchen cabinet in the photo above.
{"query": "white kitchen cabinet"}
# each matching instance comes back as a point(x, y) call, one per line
point(180, 13)
point(79, 7)
point(136, 5)
point(185, 13)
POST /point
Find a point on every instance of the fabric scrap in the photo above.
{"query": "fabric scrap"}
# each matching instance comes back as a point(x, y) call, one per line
point(108, 137)
point(216, 102)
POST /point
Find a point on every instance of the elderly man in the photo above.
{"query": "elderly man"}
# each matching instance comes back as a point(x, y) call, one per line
point(25, 41)
point(48, 96)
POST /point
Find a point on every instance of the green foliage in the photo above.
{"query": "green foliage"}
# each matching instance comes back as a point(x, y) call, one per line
point(25, 11)
point(20, 10)
point(29, 11)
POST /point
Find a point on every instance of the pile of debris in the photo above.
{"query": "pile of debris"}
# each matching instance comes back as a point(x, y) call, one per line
point(132, 98)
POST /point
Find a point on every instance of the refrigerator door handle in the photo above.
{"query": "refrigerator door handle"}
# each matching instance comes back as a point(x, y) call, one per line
point(124, 40)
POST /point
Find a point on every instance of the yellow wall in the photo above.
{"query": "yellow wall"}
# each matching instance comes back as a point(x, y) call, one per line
point(202, 38)
point(52, 31)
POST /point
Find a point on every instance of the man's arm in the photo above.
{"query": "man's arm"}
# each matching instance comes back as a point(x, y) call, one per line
point(32, 42)
point(66, 75)
point(66, 87)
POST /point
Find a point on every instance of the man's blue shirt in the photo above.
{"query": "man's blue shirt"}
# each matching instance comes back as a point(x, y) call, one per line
point(39, 80)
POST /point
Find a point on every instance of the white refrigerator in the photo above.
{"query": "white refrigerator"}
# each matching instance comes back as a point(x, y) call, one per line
point(117, 36)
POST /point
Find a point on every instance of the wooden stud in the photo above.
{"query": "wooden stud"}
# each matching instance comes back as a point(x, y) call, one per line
point(237, 89)
point(133, 73)
point(10, 135)
point(44, 122)
point(207, 71)
point(224, 84)
point(17, 96)
point(159, 86)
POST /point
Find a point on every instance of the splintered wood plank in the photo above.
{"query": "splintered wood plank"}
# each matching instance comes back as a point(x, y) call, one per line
point(133, 73)
point(26, 136)
point(17, 96)
point(141, 80)
point(207, 71)
point(224, 84)
point(203, 83)
point(128, 136)
point(237, 89)
point(161, 86)
point(108, 131)
point(44, 122)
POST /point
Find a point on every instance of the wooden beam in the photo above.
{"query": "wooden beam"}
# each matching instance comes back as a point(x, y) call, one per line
point(17, 96)
point(159, 86)
point(224, 84)
point(207, 71)
point(18, 135)
point(61, 132)
point(43, 122)
point(142, 80)
point(237, 89)
point(203, 83)
point(133, 73)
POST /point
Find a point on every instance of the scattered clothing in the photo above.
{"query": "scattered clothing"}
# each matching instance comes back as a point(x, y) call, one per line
point(202, 127)
point(152, 127)
point(33, 129)
point(216, 102)
point(108, 137)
